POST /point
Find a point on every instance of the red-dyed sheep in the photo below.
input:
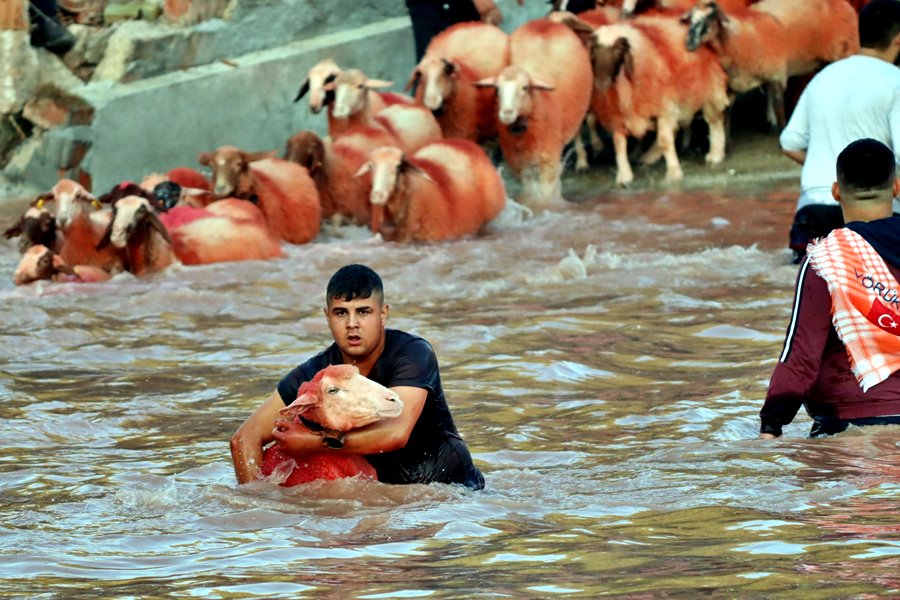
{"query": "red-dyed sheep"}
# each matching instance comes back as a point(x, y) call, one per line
point(39, 262)
point(82, 222)
point(772, 40)
point(335, 401)
point(136, 229)
point(645, 79)
point(446, 190)
point(284, 191)
point(412, 126)
point(455, 59)
point(543, 97)
point(332, 164)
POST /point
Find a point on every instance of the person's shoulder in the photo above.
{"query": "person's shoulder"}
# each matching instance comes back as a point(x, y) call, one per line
point(401, 339)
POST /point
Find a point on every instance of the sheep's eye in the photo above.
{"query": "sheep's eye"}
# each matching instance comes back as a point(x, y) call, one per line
point(333, 390)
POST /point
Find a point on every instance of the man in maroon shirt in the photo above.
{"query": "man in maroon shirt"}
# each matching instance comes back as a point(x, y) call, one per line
point(814, 369)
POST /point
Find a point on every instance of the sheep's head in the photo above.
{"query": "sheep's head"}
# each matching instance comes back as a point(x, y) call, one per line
point(610, 55)
point(72, 200)
point(388, 165)
point(229, 164)
point(36, 226)
point(440, 76)
point(706, 22)
point(515, 88)
point(351, 92)
point(338, 398)
point(39, 262)
point(321, 74)
point(131, 216)
point(307, 149)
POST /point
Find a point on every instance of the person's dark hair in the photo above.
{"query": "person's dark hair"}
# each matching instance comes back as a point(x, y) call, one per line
point(354, 281)
point(866, 165)
point(879, 23)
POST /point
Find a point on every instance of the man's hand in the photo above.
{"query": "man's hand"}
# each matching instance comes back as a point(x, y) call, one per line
point(768, 436)
point(295, 438)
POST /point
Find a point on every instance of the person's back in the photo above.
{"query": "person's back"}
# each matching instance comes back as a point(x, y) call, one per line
point(841, 356)
point(857, 97)
point(854, 98)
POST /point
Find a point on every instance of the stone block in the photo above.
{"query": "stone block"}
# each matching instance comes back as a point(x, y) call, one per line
point(13, 16)
point(189, 12)
point(51, 108)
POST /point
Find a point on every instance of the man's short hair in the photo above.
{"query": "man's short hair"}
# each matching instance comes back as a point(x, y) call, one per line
point(879, 23)
point(354, 281)
point(865, 165)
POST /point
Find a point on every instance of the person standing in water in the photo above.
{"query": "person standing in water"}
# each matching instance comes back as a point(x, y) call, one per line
point(842, 350)
point(857, 97)
point(421, 445)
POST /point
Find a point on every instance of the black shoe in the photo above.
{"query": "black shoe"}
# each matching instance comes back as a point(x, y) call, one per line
point(49, 32)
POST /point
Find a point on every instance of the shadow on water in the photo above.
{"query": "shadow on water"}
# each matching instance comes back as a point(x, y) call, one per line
point(605, 364)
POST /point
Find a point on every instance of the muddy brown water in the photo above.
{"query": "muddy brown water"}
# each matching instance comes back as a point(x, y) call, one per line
point(605, 363)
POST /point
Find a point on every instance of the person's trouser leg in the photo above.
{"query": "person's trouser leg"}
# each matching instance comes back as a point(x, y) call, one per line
point(48, 30)
point(825, 426)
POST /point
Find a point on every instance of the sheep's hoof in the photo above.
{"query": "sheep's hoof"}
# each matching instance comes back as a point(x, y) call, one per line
point(581, 164)
point(714, 159)
point(674, 176)
point(624, 181)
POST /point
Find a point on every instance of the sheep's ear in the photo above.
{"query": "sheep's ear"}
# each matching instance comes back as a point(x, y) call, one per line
point(62, 267)
point(408, 167)
point(204, 158)
point(488, 82)
point(302, 91)
point(686, 17)
point(372, 84)
point(39, 201)
point(156, 224)
point(305, 402)
point(363, 169)
point(15, 230)
point(629, 65)
point(414, 77)
point(107, 235)
point(537, 84)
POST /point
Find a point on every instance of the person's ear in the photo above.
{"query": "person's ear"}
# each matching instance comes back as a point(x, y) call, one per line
point(384, 311)
point(896, 187)
point(836, 191)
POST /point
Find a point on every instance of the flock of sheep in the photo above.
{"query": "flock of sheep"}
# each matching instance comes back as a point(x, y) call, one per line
point(415, 169)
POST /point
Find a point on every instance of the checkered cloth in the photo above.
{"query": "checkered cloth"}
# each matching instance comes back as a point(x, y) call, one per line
point(865, 306)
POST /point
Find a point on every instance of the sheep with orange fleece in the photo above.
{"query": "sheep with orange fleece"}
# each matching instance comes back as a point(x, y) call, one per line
point(325, 72)
point(412, 126)
point(446, 190)
point(456, 58)
point(543, 97)
point(284, 191)
point(647, 79)
point(332, 164)
point(772, 40)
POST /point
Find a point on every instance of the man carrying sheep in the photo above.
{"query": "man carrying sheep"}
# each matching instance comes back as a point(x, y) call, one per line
point(421, 445)
point(841, 356)
point(853, 98)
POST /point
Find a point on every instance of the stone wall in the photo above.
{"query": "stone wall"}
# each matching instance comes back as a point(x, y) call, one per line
point(157, 93)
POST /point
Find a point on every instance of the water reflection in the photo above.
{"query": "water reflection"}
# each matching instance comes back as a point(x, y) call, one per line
point(605, 364)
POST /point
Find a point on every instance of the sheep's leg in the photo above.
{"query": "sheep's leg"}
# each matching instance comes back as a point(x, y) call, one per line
point(665, 137)
point(581, 159)
point(653, 154)
point(596, 140)
point(715, 119)
point(775, 105)
point(624, 174)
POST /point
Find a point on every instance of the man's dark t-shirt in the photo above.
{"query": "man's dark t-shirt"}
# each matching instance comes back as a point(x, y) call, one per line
point(434, 451)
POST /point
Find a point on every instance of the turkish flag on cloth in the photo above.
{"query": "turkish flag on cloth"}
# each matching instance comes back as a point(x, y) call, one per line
point(865, 306)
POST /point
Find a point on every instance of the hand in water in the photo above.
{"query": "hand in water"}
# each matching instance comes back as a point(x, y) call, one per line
point(767, 436)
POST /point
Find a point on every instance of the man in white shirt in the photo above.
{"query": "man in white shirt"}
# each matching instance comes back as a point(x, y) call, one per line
point(857, 97)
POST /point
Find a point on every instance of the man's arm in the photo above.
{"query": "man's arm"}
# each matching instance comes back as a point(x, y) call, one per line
point(798, 156)
point(800, 360)
point(248, 441)
point(794, 139)
point(385, 435)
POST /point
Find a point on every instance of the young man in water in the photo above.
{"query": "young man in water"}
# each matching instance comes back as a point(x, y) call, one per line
point(419, 446)
point(843, 368)
point(857, 97)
